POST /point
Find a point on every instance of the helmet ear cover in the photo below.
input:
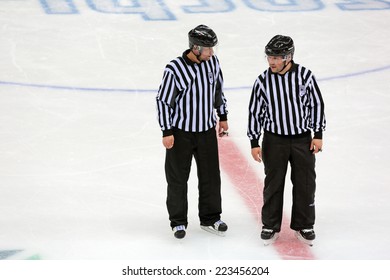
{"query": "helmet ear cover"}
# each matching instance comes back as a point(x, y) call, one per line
point(202, 36)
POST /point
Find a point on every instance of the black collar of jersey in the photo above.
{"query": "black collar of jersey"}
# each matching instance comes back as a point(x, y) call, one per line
point(294, 67)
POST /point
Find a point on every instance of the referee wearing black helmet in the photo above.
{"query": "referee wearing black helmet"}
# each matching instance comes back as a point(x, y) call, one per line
point(190, 103)
point(287, 109)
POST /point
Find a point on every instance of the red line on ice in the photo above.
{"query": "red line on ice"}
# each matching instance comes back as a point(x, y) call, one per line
point(250, 186)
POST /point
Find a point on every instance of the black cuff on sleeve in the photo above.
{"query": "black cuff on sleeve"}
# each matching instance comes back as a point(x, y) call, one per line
point(223, 117)
point(255, 143)
point(318, 135)
point(167, 132)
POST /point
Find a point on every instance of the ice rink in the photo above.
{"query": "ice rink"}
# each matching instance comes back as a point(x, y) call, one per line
point(81, 159)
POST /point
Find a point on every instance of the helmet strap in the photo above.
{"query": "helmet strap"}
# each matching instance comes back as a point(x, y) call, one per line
point(286, 63)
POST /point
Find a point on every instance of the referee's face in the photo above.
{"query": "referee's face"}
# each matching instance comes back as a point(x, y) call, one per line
point(206, 53)
point(276, 63)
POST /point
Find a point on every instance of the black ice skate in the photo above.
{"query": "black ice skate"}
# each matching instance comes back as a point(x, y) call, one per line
point(307, 236)
point(179, 232)
point(218, 228)
point(269, 236)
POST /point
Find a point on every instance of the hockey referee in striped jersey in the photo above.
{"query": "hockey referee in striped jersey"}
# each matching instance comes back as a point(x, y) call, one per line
point(287, 107)
point(190, 102)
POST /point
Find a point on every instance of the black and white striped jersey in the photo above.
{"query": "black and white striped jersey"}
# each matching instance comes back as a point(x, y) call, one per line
point(190, 95)
point(290, 104)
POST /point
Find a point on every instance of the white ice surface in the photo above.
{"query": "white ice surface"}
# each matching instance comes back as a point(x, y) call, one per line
point(81, 159)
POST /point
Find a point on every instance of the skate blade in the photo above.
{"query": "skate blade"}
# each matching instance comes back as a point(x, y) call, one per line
point(303, 240)
point(271, 240)
point(212, 230)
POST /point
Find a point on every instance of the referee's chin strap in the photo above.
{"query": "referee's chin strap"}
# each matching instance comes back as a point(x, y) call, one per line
point(285, 65)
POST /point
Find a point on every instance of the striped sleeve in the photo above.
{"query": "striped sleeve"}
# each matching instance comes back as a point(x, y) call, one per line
point(256, 110)
point(220, 100)
point(165, 100)
point(317, 107)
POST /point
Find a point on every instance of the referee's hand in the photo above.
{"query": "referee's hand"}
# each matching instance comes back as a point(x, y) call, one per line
point(316, 146)
point(256, 154)
point(168, 141)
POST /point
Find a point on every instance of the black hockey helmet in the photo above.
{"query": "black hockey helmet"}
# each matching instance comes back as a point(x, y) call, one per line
point(280, 45)
point(202, 36)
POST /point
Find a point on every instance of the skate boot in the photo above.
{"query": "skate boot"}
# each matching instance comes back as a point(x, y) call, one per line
point(218, 228)
point(307, 236)
point(269, 236)
point(179, 232)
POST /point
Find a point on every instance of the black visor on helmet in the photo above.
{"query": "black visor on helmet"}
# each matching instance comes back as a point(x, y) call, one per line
point(202, 36)
point(279, 45)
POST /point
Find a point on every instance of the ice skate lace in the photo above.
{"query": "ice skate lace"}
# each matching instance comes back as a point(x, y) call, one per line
point(177, 228)
point(217, 223)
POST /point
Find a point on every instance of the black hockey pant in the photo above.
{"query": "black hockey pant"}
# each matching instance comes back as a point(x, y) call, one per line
point(203, 147)
point(277, 152)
